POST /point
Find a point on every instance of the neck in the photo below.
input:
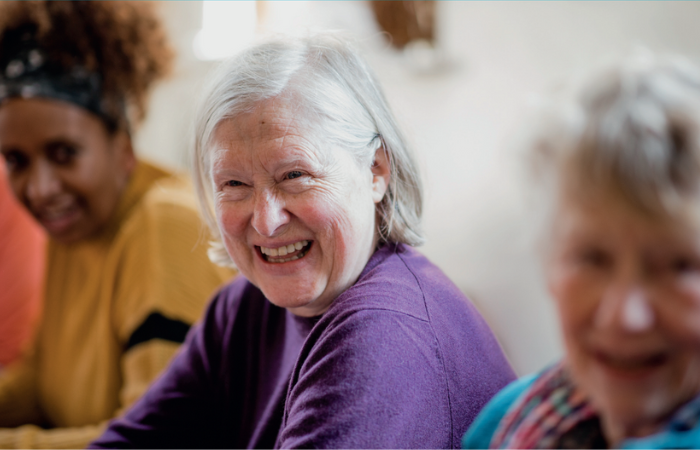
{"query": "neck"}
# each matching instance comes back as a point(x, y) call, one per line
point(616, 431)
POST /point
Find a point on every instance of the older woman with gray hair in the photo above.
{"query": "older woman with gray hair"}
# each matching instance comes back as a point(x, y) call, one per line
point(339, 334)
point(623, 266)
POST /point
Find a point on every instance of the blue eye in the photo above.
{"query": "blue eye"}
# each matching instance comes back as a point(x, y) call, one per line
point(293, 174)
point(233, 183)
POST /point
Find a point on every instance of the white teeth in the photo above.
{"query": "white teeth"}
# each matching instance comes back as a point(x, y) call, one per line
point(293, 258)
point(284, 250)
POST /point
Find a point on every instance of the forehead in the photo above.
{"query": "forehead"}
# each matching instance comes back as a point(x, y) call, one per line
point(35, 120)
point(600, 214)
point(273, 129)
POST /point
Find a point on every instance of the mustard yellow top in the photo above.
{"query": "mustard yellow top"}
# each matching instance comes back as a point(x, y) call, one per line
point(117, 306)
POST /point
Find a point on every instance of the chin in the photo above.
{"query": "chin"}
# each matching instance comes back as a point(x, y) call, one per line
point(626, 409)
point(286, 302)
point(304, 306)
point(633, 405)
point(286, 299)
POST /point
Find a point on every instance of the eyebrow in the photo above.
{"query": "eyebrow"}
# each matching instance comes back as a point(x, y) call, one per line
point(62, 141)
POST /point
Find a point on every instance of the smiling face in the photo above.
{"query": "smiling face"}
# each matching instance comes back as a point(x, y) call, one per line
point(627, 288)
point(297, 220)
point(63, 165)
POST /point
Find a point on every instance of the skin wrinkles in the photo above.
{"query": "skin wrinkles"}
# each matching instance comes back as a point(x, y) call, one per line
point(274, 188)
point(64, 166)
point(605, 255)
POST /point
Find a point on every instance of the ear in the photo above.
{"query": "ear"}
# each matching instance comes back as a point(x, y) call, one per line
point(381, 174)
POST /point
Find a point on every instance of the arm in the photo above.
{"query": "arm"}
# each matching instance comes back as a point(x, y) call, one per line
point(25, 411)
point(18, 403)
point(182, 405)
point(153, 318)
point(18, 396)
point(163, 273)
point(373, 381)
point(141, 366)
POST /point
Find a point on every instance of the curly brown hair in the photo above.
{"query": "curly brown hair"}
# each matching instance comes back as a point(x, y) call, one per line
point(121, 40)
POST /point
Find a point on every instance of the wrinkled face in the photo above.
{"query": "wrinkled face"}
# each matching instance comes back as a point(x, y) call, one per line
point(297, 220)
point(627, 289)
point(63, 165)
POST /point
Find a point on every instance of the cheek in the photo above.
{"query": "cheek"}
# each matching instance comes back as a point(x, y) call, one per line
point(679, 313)
point(328, 208)
point(100, 192)
point(353, 223)
point(341, 224)
point(90, 176)
point(327, 222)
point(18, 184)
point(575, 296)
point(231, 222)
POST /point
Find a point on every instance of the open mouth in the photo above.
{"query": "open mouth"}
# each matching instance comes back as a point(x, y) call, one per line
point(286, 253)
point(633, 364)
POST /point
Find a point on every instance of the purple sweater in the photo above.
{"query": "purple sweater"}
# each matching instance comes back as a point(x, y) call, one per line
point(400, 360)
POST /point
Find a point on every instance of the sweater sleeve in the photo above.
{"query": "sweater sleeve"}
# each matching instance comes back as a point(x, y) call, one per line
point(182, 407)
point(32, 436)
point(18, 395)
point(375, 380)
point(141, 366)
point(161, 301)
point(166, 277)
point(18, 403)
point(164, 283)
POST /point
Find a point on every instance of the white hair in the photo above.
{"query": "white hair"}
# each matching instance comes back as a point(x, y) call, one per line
point(339, 95)
point(633, 129)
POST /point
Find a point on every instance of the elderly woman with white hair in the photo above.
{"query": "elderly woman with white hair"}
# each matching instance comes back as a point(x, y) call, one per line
point(623, 266)
point(339, 334)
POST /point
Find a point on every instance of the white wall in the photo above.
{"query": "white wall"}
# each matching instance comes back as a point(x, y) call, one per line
point(462, 120)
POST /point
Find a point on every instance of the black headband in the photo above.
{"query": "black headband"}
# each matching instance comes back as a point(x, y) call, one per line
point(26, 72)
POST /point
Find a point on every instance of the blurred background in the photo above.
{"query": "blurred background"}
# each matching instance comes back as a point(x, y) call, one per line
point(462, 78)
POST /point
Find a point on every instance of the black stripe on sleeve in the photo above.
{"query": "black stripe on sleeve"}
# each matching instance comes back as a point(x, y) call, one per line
point(157, 326)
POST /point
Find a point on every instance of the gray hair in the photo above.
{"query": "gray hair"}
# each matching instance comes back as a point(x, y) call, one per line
point(633, 129)
point(340, 96)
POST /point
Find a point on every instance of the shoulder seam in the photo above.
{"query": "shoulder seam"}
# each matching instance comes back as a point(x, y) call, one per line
point(377, 308)
point(402, 313)
point(439, 346)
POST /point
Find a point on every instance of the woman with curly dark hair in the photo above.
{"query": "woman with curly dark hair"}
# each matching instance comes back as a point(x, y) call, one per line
point(127, 274)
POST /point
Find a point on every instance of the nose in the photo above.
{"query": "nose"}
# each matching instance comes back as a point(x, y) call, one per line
point(269, 214)
point(42, 184)
point(626, 308)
